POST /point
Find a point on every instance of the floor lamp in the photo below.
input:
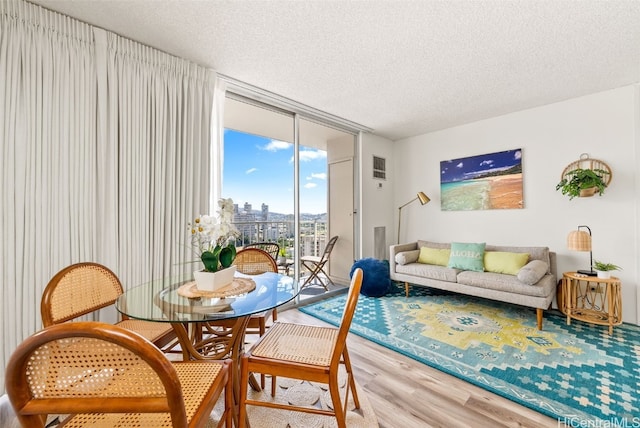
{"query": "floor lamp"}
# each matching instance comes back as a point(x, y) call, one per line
point(579, 240)
point(424, 199)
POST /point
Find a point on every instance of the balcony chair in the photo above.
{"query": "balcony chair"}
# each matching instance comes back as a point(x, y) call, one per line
point(98, 374)
point(270, 247)
point(82, 288)
point(315, 265)
point(304, 352)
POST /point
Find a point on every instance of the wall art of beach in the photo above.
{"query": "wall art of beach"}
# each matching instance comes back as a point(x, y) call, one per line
point(484, 182)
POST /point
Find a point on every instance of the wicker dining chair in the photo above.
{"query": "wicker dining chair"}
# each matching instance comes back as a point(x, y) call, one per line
point(83, 288)
point(98, 374)
point(315, 265)
point(270, 247)
point(304, 352)
point(253, 261)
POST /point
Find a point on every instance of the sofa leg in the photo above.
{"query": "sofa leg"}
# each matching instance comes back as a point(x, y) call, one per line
point(406, 289)
point(539, 313)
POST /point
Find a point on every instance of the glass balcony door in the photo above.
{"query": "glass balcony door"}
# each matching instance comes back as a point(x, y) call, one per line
point(282, 188)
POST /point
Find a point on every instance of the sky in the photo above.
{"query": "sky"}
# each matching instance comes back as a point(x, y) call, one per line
point(259, 170)
point(466, 168)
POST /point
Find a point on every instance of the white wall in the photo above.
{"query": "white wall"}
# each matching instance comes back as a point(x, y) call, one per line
point(377, 199)
point(605, 125)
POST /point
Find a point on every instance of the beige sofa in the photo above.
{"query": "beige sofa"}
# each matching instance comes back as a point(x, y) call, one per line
point(533, 286)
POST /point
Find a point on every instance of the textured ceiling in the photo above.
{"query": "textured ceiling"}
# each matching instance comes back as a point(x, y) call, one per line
point(402, 68)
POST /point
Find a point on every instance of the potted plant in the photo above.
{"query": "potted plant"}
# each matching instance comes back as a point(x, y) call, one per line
point(214, 239)
point(282, 254)
point(583, 182)
point(604, 269)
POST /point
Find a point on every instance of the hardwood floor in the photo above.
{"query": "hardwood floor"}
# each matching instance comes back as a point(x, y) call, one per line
point(408, 394)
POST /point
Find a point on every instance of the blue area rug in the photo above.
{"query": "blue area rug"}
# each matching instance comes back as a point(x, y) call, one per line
point(577, 374)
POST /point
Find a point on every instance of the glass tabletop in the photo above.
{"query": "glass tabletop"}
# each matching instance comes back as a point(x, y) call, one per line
point(159, 300)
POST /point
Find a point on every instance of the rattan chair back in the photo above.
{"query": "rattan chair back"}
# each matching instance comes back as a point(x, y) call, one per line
point(78, 290)
point(104, 375)
point(253, 261)
point(82, 288)
point(270, 247)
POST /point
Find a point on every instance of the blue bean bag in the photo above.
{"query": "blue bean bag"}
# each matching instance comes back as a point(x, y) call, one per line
point(375, 276)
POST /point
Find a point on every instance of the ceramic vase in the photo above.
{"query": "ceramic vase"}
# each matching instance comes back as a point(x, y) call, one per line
point(210, 281)
point(604, 274)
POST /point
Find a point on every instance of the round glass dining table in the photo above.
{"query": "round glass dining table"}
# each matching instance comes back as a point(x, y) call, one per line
point(206, 327)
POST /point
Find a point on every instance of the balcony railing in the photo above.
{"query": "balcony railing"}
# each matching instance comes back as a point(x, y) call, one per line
point(313, 235)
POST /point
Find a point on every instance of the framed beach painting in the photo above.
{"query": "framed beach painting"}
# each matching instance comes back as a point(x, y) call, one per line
point(483, 182)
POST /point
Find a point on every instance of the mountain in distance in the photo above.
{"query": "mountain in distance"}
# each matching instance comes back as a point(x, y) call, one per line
point(288, 217)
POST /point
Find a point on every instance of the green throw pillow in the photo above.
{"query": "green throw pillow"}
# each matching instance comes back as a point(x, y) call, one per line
point(434, 256)
point(467, 256)
point(504, 262)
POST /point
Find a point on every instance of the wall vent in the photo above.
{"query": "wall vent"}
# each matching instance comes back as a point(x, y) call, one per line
point(379, 168)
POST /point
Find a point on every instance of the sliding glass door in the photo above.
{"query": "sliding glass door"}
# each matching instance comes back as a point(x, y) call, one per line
point(277, 168)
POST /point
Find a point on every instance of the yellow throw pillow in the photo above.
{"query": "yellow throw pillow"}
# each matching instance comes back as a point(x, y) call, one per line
point(434, 256)
point(504, 262)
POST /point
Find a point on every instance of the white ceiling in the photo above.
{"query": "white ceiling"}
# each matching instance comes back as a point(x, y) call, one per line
point(400, 67)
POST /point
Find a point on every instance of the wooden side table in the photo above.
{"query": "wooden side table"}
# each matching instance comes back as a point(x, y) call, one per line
point(591, 299)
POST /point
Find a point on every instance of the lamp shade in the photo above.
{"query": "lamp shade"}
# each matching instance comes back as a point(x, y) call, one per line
point(579, 240)
point(423, 198)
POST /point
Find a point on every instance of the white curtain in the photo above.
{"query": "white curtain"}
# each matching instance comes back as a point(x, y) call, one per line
point(104, 146)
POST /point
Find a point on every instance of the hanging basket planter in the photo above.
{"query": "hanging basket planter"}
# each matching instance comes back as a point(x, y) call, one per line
point(584, 178)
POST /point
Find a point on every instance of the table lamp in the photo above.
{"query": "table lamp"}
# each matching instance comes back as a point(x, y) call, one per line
point(579, 240)
point(424, 199)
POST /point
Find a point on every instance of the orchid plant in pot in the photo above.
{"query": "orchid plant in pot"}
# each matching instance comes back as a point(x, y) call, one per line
point(213, 238)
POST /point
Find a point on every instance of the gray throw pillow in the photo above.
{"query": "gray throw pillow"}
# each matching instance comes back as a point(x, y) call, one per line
point(533, 271)
point(406, 257)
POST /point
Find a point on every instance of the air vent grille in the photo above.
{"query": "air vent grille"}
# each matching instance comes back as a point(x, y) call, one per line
point(379, 168)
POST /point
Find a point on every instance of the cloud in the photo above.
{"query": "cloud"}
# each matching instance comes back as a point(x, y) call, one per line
point(310, 185)
point(517, 155)
point(460, 165)
point(275, 145)
point(250, 170)
point(486, 162)
point(309, 155)
point(317, 176)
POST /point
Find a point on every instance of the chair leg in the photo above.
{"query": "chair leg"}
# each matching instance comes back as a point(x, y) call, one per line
point(352, 382)
point(328, 278)
point(229, 399)
point(244, 384)
point(262, 327)
point(337, 402)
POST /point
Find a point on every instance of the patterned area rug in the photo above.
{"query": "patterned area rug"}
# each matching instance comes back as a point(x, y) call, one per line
point(577, 374)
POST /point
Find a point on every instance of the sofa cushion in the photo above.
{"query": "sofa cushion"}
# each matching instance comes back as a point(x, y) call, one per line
point(505, 262)
point(507, 283)
point(467, 256)
point(432, 244)
point(421, 270)
point(535, 253)
point(434, 256)
point(533, 271)
point(406, 257)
